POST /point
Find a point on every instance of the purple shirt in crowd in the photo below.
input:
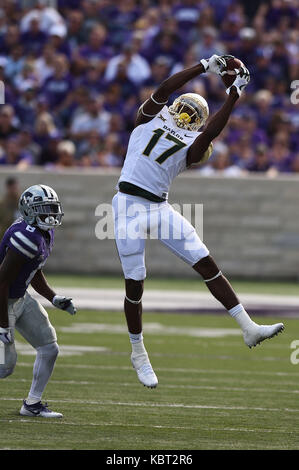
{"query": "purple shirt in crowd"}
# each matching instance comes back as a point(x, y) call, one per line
point(32, 243)
point(57, 89)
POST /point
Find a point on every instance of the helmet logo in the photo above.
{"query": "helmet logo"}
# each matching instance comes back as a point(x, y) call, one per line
point(184, 118)
point(26, 197)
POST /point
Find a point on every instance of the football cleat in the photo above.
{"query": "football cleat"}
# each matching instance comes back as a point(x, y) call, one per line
point(255, 334)
point(38, 409)
point(144, 370)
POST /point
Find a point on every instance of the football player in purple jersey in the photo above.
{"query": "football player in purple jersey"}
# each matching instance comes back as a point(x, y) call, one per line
point(24, 250)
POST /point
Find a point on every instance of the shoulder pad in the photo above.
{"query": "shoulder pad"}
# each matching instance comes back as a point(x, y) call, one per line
point(26, 240)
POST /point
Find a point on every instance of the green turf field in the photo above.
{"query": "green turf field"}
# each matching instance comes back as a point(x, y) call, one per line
point(213, 393)
point(194, 283)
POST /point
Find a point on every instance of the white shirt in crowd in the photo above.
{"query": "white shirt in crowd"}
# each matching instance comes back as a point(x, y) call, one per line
point(85, 122)
point(138, 69)
point(47, 17)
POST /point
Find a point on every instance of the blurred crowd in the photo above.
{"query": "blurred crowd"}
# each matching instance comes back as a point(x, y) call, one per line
point(76, 71)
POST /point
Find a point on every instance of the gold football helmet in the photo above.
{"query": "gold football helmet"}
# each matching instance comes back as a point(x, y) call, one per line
point(189, 111)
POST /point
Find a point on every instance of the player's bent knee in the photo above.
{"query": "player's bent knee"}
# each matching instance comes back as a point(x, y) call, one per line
point(49, 350)
point(206, 267)
point(54, 349)
point(134, 289)
point(134, 273)
point(203, 263)
point(6, 372)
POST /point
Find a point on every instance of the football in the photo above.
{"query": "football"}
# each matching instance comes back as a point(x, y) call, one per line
point(230, 74)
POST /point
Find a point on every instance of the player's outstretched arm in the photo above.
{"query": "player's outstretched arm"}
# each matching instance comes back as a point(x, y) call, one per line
point(197, 151)
point(9, 271)
point(159, 98)
point(199, 147)
point(41, 286)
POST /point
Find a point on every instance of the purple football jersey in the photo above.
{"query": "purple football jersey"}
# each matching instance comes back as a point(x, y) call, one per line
point(32, 243)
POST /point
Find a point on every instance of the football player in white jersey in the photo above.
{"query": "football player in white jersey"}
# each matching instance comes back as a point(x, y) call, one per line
point(165, 142)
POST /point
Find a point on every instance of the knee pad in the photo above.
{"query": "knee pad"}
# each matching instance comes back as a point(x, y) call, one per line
point(134, 290)
point(50, 350)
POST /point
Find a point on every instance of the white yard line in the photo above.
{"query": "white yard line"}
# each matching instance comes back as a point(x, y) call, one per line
point(62, 382)
point(64, 349)
point(153, 328)
point(169, 300)
point(69, 423)
point(176, 386)
point(175, 369)
point(162, 405)
point(145, 425)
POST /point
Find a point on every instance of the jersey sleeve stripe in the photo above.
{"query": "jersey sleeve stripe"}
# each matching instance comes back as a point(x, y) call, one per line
point(26, 241)
point(21, 249)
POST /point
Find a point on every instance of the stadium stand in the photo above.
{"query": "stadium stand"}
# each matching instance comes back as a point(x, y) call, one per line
point(76, 71)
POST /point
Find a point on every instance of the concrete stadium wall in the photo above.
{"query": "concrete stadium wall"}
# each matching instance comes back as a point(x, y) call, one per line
point(251, 224)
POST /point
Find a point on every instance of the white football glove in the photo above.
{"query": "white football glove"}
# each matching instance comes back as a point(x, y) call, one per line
point(241, 81)
point(5, 336)
point(64, 303)
point(216, 63)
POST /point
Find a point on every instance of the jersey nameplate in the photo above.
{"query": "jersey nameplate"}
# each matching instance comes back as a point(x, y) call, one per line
point(173, 132)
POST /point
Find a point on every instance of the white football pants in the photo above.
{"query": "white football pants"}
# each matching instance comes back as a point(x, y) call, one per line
point(136, 219)
point(31, 320)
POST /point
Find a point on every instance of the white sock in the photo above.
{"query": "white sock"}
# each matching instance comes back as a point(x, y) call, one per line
point(137, 343)
point(135, 337)
point(241, 316)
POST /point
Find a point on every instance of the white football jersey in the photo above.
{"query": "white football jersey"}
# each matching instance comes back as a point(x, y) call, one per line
point(156, 154)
